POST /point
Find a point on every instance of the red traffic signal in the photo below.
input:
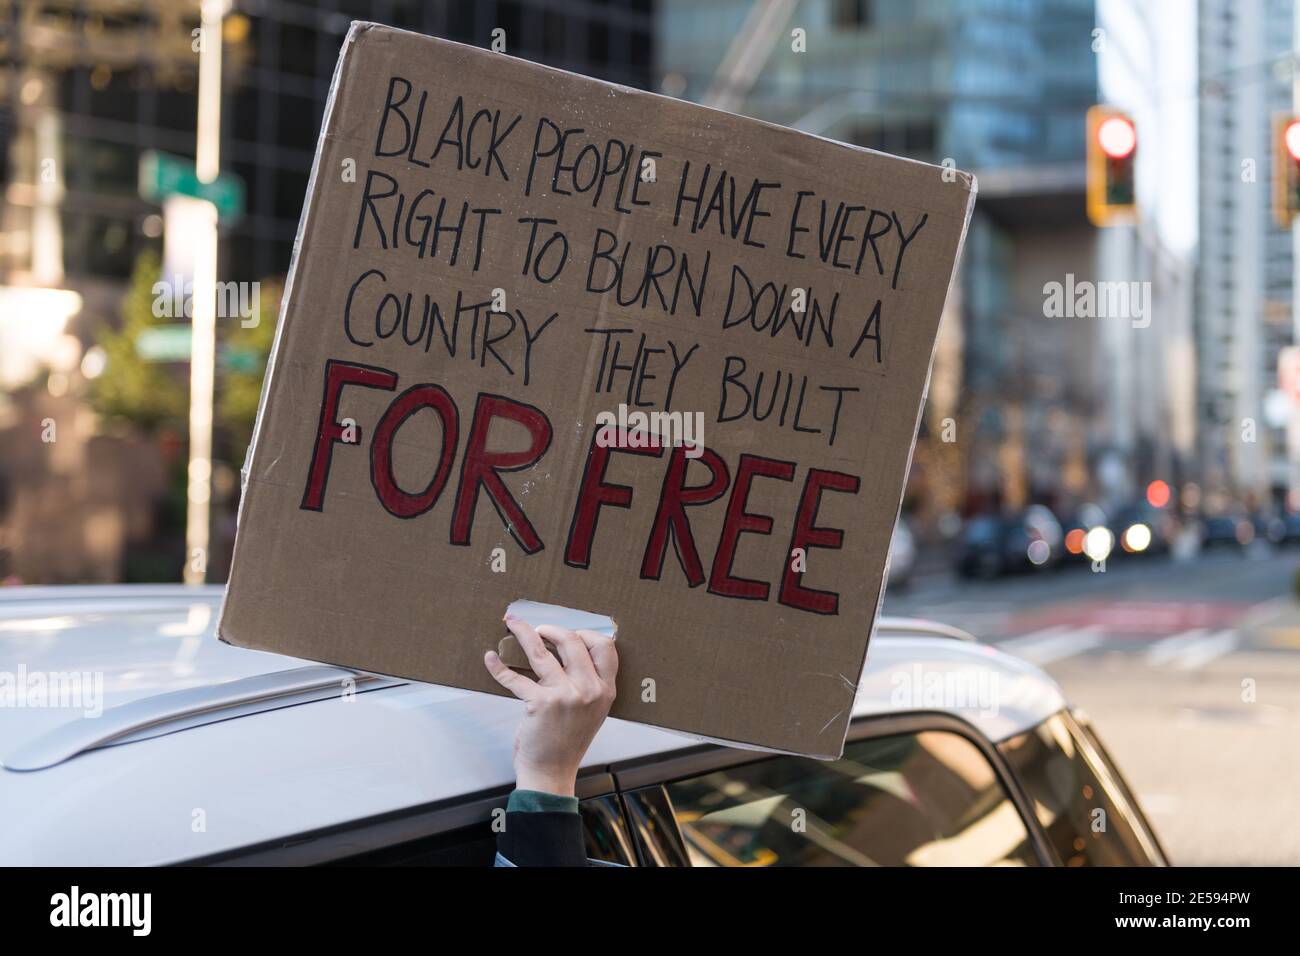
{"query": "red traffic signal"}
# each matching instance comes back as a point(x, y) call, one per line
point(1112, 166)
point(1291, 138)
point(1117, 136)
point(1286, 169)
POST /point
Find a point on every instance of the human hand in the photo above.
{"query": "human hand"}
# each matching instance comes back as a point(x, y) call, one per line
point(563, 708)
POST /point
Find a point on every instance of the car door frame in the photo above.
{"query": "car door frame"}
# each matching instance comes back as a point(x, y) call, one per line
point(642, 783)
point(353, 838)
point(636, 786)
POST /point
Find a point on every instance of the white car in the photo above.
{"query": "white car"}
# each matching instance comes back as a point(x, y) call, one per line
point(130, 735)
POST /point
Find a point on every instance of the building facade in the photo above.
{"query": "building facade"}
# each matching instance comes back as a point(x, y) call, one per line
point(1244, 285)
point(94, 83)
point(998, 87)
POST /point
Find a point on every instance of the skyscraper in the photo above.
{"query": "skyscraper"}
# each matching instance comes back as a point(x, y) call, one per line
point(998, 87)
point(1243, 290)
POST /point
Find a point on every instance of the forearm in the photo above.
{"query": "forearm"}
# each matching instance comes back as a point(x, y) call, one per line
point(568, 697)
point(542, 829)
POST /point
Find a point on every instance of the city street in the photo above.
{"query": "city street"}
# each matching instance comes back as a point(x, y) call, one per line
point(554, 383)
point(1189, 669)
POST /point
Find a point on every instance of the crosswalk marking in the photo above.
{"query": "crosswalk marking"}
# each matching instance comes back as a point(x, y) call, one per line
point(1193, 649)
point(1053, 643)
point(1207, 649)
point(1166, 649)
point(1188, 650)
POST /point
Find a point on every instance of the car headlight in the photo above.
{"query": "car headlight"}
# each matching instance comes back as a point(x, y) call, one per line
point(1097, 543)
point(1137, 538)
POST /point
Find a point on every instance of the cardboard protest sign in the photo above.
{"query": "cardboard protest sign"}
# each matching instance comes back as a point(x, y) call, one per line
point(548, 338)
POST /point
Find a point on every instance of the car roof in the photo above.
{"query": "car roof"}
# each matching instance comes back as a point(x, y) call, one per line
point(177, 727)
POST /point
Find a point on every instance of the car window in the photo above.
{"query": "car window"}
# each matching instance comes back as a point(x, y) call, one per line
point(919, 799)
point(605, 831)
point(476, 845)
point(1088, 818)
point(1140, 821)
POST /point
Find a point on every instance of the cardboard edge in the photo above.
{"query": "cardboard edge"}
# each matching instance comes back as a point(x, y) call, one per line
point(767, 124)
point(359, 28)
point(513, 656)
point(355, 31)
point(970, 183)
point(972, 191)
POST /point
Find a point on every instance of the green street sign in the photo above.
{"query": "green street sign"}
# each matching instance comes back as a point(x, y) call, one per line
point(239, 360)
point(163, 175)
point(174, 343)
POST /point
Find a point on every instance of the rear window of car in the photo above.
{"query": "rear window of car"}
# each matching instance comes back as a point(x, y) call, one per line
point(1078, 798)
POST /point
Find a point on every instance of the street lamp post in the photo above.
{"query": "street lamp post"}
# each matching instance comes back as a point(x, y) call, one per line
point(204, 331)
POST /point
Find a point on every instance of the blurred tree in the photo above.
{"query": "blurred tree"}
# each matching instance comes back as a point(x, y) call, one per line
point(154, 395)
point(146, 385)
point(147, 394)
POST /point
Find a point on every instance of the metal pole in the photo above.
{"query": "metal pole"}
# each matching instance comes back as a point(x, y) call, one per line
point(204, 331)
point(747, 53)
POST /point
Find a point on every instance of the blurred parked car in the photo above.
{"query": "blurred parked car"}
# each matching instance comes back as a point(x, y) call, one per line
point(979, 550)
point(902, 555)
point(1087, 536)
point(1226, 530)
point(295, 763)
point(1141, 528)
point(1268, 526)
point(993, 545)
point(1290, 527)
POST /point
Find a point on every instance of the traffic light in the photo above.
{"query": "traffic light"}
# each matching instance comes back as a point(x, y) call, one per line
point(1112, 156)
point(1286, 169)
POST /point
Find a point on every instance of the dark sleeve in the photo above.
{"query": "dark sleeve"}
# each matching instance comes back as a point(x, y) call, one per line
point(542, 829)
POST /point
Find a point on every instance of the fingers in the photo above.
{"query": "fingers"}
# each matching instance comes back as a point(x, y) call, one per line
point(541, 660)
point(516, 683)
point(573, 653)
point(604, 655)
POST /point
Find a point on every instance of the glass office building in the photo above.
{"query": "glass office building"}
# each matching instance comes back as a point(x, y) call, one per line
point(997, 87)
